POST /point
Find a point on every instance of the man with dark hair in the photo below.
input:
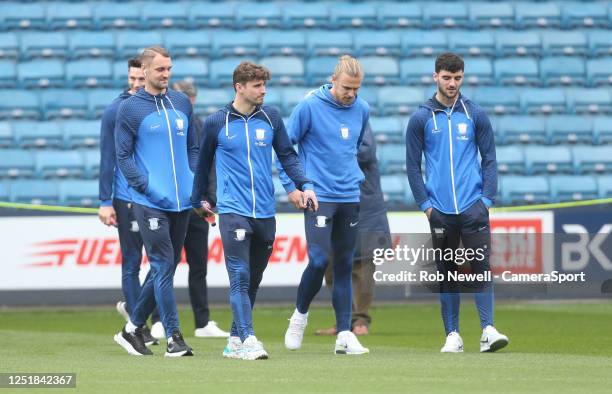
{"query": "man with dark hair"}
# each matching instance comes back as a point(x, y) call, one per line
point(451, 130)
point(157, 153)
point(240, 137)
point(115, 204)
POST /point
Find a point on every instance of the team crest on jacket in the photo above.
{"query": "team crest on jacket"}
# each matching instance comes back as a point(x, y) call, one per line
point(260, 137)
point(153, 224)
point(344, 131)
point(462, 127)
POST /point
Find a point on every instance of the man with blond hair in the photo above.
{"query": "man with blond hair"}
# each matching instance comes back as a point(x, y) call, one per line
point(328, 126)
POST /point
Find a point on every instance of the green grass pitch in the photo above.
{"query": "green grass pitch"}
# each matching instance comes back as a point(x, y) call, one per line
point(554, 348)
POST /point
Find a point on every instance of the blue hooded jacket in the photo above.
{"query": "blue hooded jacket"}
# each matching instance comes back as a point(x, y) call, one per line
point(112, 183)
point(451, 139)
point(328, 135)
point(156, 149)
point(242, 149)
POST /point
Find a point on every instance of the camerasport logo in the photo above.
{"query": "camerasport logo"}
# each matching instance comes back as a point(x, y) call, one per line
point(106, 251)
point(517, 245)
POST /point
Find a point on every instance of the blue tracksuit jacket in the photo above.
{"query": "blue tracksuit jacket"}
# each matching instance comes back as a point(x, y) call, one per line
point(451, 139)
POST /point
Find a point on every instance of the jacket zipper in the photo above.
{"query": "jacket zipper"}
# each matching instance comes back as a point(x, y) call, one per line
point(246, 131)
point(171, 154)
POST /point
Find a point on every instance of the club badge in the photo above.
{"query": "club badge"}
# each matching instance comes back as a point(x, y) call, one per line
point(344, 132)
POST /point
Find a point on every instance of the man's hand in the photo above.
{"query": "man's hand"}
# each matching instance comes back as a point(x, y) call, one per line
point(428, 212)
point(297, 199)
point(108, 216)
point(310, 195)
point(205, 211)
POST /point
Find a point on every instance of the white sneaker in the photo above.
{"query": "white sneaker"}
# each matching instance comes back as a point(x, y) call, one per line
point(492, 340)
point(211, 330)
point(252, 349)
point(295, 332)
point(347, 343)
point(157, 330)
point(233, 349)
point(122, 310)
point(453, 344)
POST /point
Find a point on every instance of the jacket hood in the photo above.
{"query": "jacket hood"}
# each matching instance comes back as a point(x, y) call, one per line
point(324, 94)
point(125, 94)
point(432, 104)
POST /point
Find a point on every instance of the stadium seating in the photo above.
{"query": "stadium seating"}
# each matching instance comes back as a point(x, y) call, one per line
point(381, 43)
point(182, 43)
point(392, 14)
point(602, 130)
point(78, 192)
point(8, 74)
point(543, 101)
point(524, 43)
point(217, 15)
point(16, 163)
point(91, 44)
point(6, 135)
point(31, 134)
point(568, 188)
point(165, 15)
point(564, 43)
point(516, 71)
point(108, 16)
point(291, 43)
point(392, 158)
point(604, 184)
point(89, 73)
point(310, 15)
point(60, 103)
point(562, 70)
point(388, 129)
point(520, 190)
point(99, 99)
point(472, 43)
point(80, 133)
point(257, 15)
point(592, 159)
point(69, 16)
point(47, 44)
point(19, 104)
point(344, 15)
point(548, 160)
point(523, 129)
point(15, 15)
point(232, 43)
point(59, 164)
point(537, 15)
point(285, 70)
point(9, 46)
point(41, 73)
point(510, 160)
point(211, 100)
point(568, 128)
point(590, 101)
point(195, 70)
point(598, 71)
point(34, 192)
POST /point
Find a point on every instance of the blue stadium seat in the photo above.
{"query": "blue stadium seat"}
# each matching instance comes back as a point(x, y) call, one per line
point(392, 158)
point(398, 100)
point(64, 103)
point(573, 188)
point(454, 15)
point(470, 43)
point(370, 95)
point(38, 192)
point(497, 100)
point(532, 15)
point(510, 160)
point(62, 15)
point(290, 43)
point(599, 71)
point(212, 15)
point(552, 160)
point(604, 184)
point(81, 133)
point(98, 100)
point(4, 191)
point(8, 74)
point(320, 69)
point(380, 70)
point(326, 43)
point(7, 139)
point(380, 43)
point(92, 163)
point(235, 43)
point(46, 44)
point(59, 164)
point(544, 101)
point(131, 42)
point(497, 15)
point(290, 97)
point(395, 14)
point(108, 15)
point(602, 130)
point(417, 71)
point(211, 100)
point(41, 73)
point(393, 188)
point(478, 71)
point(525, 129)
point(19, 104)
point(388, 129)
point(195, 70)
point(346, 15)
point(157, 15)
point(600, 43)
point(9, 46)
point(221, 70)
point(423, 43)
point(89, 73)
point(274, 97)
point(589, 100)
point(519, 190)
point(584, 14)
point(564, 43)
point(83, 193)
point(312, 15)
point(258, 15)
point(31, 134)
point(16, 163)
point(511, 43)
point(20, 16)
point(182, 43)
point(91, 44)
point(560, 70)
point(569, 129)
point(592, 159)
point(120, 78)
point(516, 71)
point(286, 70)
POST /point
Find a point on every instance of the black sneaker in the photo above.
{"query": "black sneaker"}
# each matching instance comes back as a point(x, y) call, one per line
point(133, 343)
point(177, 346)
point(148, 338)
